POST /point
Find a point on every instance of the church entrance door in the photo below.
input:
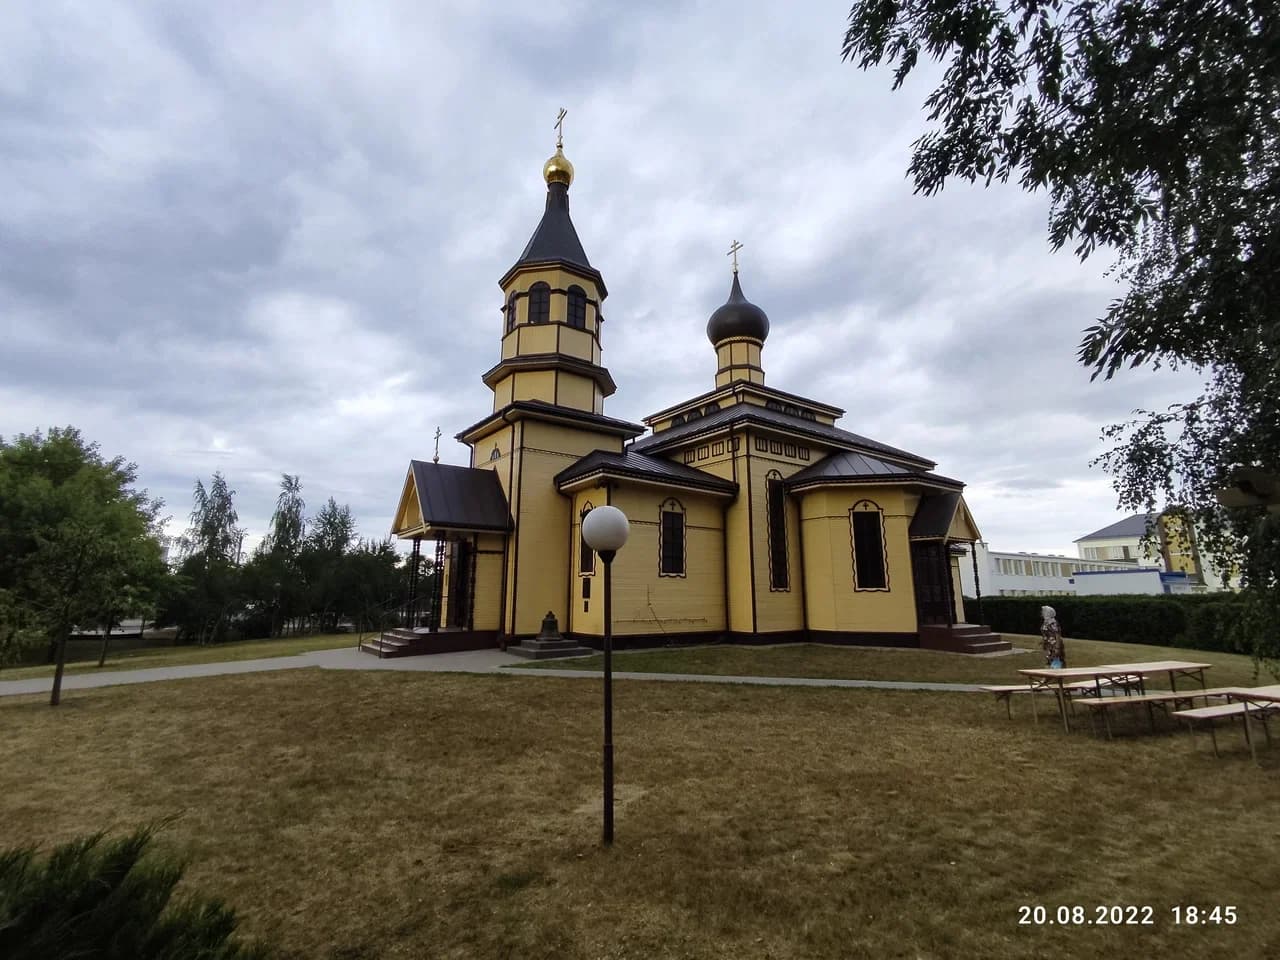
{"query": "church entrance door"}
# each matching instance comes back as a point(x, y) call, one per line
point(461, 585)
point(931, 568)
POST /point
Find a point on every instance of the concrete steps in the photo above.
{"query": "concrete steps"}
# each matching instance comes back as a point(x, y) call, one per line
point(962, 638)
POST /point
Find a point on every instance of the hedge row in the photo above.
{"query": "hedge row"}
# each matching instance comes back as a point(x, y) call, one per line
point(1212, 622)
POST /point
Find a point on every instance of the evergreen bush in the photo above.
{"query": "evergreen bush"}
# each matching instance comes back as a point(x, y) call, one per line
point(1198, 621)
point(103, 899)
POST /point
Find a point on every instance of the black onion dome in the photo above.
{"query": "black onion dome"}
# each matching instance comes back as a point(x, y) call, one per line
point(738, 317)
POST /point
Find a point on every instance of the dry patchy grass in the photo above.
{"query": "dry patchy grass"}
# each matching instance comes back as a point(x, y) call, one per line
point(863, 663)
point(361, 815)
point(144, 657)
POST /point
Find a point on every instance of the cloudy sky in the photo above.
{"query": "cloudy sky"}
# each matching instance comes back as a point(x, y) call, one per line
point(266, 238)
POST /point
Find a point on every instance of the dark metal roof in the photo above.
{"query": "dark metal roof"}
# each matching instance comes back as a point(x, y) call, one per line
point(460, 497)
point(752, 413)
point(852, 465)
point(933, 516)
point(737, 317)
point(1134, 526)
point(555, 240)
point(632, 464)
point(741, 387)
point(546, 410)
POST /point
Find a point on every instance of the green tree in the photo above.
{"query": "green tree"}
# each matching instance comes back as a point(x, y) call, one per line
point(288, 522)
point(206, 597)
point(70, 522)
point(1152, 125)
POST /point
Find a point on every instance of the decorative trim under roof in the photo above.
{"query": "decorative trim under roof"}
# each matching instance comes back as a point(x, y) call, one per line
point(740, 386)
point(541, 410)
point(630, 465)
point(784, 423)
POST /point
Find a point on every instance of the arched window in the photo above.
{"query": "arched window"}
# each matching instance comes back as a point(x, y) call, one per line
point(870, 556)
point(496, 454)
point(511, 313)
point(776, 494)
point(577, 307)
point(586, 556)
point(671, 552)
point(539, 303)
point(711, 407)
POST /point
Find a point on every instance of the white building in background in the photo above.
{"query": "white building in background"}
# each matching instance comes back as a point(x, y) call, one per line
point(1010, 574)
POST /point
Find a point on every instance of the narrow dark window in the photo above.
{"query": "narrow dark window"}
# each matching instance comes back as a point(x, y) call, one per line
point(671, 540)
point(578, 307)
point(539, 303)
point(689, 455)
point(678, 420)
point(586, 556)
point(867, 528)
point(511, 313)
point(775, 446)
point(772, 405)
point(717, 448)
point(762, 444)
point(779, 578)
point(711, 408)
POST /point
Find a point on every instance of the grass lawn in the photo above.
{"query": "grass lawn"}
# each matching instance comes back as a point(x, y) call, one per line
point(173, 656)
point(860, 663)
point(359, 815)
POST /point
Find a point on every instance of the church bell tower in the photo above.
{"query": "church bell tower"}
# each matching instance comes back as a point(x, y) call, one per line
point(549, 388)
point(551, 317)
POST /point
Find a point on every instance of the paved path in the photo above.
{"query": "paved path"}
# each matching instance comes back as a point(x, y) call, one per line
point(473, 661)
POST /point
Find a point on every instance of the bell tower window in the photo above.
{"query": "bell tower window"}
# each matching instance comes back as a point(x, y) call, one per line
point(539, 303)
point(577, 307)
point(511, 313)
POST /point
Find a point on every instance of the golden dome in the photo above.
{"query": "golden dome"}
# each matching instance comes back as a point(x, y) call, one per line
point(558, 169)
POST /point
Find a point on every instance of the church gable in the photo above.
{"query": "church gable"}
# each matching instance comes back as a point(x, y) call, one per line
point(439, 497)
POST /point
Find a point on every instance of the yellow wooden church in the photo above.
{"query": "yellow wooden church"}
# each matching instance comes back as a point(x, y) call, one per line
point(754, 517)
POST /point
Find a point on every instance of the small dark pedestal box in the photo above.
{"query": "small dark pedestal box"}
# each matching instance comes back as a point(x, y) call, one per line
point(549, 643)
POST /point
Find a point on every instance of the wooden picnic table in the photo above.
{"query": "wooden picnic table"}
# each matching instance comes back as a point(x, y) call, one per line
point(1260, 699)
point(1056, 679)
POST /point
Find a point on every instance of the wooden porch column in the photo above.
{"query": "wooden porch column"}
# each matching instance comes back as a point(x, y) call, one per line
point(977, 582)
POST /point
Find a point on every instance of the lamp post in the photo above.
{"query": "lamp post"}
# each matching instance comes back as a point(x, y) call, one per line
point(605, 530)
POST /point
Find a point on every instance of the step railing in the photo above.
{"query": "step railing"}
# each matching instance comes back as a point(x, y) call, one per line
point(376, 614)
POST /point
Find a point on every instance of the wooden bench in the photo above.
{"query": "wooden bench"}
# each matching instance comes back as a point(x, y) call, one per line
point(1210, 715)
point(1160, 698)
point(1085, 688)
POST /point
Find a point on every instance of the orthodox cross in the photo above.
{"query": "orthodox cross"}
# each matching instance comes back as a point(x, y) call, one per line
point(560, 128)
point(436, 458)
point(733, 252)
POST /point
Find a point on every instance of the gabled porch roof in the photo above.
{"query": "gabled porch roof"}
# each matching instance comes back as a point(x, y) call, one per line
point(439, 498)
point(943, 516)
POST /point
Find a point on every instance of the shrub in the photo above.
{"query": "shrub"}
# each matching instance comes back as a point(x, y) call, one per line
point(1211, 622)
point(100, 899)
point(1217, 626)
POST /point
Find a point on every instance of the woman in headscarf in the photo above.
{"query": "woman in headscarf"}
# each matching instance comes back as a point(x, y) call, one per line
point(1055, 655)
